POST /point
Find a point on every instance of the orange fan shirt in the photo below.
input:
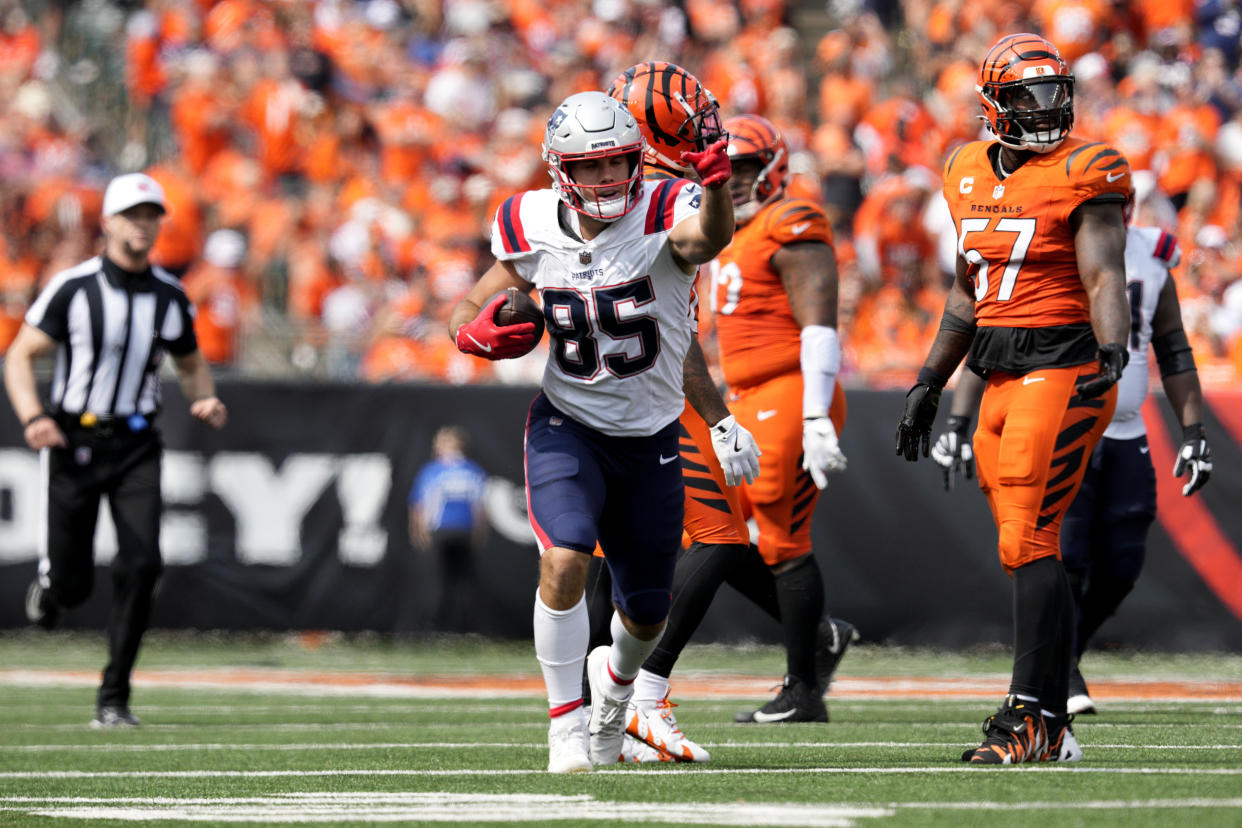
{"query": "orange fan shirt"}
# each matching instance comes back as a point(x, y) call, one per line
point(758, 335)
point(1017, 232)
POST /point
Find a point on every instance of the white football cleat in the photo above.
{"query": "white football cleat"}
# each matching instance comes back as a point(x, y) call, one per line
point(632, 750)
point(569, 745)
point(608, 713)
point(656, 726)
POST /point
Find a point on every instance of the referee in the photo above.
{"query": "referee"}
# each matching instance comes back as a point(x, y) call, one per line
point(109, 321)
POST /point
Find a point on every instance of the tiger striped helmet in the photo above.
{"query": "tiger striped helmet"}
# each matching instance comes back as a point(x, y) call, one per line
point(753, 137)
point(1027, 92)
point(676, 113)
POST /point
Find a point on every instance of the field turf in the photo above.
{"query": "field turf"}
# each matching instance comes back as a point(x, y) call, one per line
point(339, 730)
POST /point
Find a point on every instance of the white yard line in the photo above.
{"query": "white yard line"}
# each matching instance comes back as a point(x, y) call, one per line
point(537, 808)
point(675, 768)
point(353, 746)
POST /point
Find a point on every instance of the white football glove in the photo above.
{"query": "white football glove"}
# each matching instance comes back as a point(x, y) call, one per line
point(736, 450)
point(953, 452)
point(1194, 457)
point(821, 453)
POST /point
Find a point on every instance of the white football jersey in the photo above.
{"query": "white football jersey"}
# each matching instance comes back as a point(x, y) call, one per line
point(1150, 254)
point(619, 309)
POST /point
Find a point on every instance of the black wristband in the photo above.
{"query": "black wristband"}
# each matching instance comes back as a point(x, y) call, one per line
point(35, 419)
point(1194, 431)
point(928, 376)
point(958, 423)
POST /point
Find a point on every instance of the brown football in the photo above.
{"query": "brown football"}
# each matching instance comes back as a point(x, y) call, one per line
point(518, 307)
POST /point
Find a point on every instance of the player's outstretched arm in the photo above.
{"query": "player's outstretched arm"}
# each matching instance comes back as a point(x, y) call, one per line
point(1181, 386)
point(472, 327)
point(699, 239)
point(1100, 246)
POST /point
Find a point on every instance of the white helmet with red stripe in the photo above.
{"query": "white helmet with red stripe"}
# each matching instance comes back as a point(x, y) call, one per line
point(588, 126)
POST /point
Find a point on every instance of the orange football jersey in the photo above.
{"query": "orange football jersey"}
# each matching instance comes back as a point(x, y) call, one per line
point(1016, 233)
point(755, 327)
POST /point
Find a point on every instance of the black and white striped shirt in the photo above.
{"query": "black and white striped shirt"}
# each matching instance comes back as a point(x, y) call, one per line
point(113, 327)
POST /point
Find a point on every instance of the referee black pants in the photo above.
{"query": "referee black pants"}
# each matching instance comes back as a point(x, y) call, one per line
point(125, 467)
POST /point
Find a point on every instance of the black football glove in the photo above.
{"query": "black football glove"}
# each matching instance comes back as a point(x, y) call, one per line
point(953, 452)
point(1194, 456)
point(914, 430)
point(1113, 360)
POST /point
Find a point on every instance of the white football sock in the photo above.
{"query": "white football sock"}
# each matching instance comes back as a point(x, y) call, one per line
point(561, 638)
point(649, 688)
point(625, 658)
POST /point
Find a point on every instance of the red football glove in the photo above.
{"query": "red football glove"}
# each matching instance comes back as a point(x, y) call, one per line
point(482, 337)
point(712, 164)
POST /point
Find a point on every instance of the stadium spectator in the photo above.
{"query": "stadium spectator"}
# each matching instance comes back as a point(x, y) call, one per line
point(259, 101)
point(448, 525)
point(97, 433)
point(225, 299)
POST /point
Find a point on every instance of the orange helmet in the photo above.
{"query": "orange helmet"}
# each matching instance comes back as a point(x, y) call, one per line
point(676, 113)
point(753, 137)
point(1027, 92)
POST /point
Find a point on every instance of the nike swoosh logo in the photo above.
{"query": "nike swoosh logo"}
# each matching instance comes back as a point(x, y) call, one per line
point(1029, 380)
point(760, 716)
point(766, 415)
point(1111, 177)
point(487, 348)
point(1144, 449)
point(799, 229)
point(664, 461)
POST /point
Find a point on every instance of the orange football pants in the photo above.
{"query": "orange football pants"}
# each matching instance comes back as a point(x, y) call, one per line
point(1032, 446)
point(783, 496)
point(713, 510)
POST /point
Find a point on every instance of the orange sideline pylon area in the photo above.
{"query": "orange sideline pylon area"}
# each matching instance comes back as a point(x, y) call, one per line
point(692, 685)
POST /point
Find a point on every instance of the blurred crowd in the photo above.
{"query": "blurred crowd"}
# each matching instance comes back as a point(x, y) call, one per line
point(332, 166)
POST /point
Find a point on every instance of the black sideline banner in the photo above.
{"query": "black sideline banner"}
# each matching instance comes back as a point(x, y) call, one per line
point(294, 517)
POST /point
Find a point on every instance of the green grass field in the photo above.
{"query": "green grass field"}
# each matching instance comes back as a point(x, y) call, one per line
point(352, 737)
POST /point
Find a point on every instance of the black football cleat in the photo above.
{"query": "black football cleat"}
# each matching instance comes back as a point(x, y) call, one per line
point(831, 640)
point(113, 715)
point(1014, 734)
point(796, 702)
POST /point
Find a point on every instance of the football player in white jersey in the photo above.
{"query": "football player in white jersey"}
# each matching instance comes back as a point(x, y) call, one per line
point(1104, 532)
point(614, 259)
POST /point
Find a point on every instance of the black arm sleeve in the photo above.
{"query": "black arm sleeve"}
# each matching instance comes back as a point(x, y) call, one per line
point(1173, 353)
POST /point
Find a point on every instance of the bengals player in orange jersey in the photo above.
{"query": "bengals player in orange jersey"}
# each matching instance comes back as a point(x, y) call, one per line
point(774, 289)
point(1039, 302)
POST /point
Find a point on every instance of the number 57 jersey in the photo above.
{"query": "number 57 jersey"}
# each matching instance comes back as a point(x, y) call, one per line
point(1016, 233)
point(619, 310)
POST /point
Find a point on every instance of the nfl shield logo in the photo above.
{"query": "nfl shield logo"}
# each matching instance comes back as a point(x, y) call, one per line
point(82, 455)
point(584, 256)
point(998, 191)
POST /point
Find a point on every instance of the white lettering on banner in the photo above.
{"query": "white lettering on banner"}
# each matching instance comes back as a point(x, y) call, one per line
point(19, 524)
point(505, 504)
point(267, 504)
point(362, 486)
